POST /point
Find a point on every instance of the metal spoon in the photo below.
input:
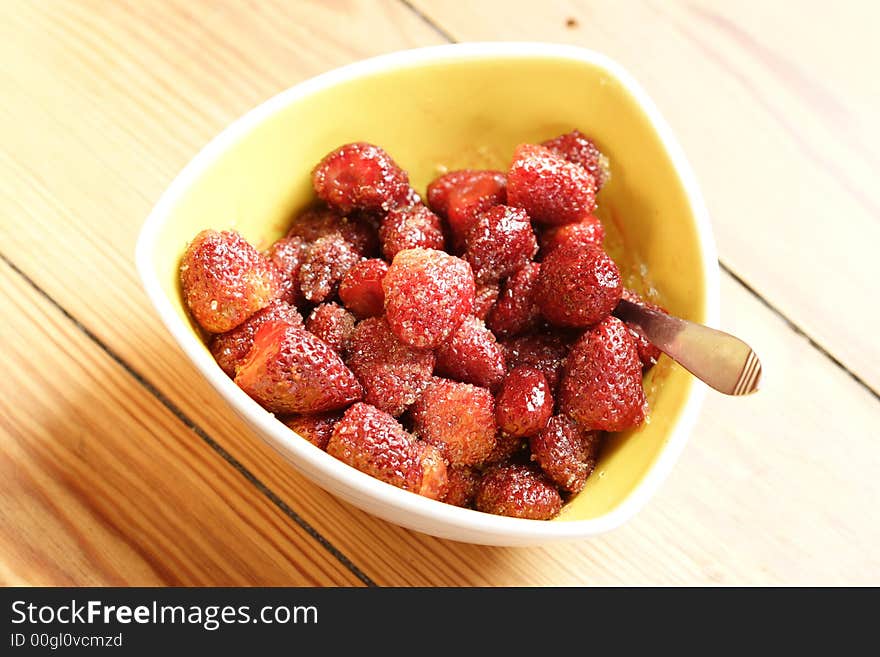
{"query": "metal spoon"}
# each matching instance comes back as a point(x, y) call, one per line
point(719, 359)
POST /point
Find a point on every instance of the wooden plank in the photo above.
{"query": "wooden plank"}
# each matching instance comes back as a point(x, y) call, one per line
point(102, 485)
point(71, 237)
point(776, 109)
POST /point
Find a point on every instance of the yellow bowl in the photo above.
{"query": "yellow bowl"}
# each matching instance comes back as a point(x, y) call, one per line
point(459, 106)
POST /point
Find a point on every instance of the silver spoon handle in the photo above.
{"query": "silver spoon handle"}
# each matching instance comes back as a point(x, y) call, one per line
point(719, 359)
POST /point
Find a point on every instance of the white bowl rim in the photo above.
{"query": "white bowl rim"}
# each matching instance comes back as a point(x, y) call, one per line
point(451, 520)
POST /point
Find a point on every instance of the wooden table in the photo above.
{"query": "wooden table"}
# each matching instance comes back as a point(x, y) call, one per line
point(118, 465)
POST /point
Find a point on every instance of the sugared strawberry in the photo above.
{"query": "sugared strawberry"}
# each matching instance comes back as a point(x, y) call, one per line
point(543, 351)
point(373, 442)
point(485, 299)
point(359, 230)
point(325, 265)
point(289, 370)
point(316, 427)
point(566, 453)
point(461, 485)
point(472, 355)
point(360, 176)
point(427, 295)
point(524, 403)
point(516, 310)
point(508, 449)
point(578, 285)
point(409, 228)
point(578, 149)
point(588, 231)
point(549, 188)
point(457, 418)
point(518, 491)
point(459, 196)
point(287, 256)
point(648, 353)
point(601, 384)
point(225, 280)
point(393, 373)
point(500, 243)
point(231, 348)
point(333, 324)
point(361, 288)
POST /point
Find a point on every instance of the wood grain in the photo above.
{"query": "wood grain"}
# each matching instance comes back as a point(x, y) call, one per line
point(117, 97)
point(776, 109)
point(103, 486)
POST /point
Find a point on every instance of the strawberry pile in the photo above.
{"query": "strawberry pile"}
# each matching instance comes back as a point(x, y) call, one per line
point(462, 349)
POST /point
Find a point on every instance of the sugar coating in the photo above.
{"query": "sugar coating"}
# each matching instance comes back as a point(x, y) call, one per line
point(373, 442)
point(578, 285)
point(457, 418)
point(333, 324)
point(361, 288)
point(518, 491)
point(566, 453)
point(230, 349)
point(360, 176)
point(484, 299)
point(500, 243)
point(472, 355)
point(358, 229)
point(392, 373)
point(427, 295)
point(225, 280)
point(524, 403)
point(289, 370)
point(516, 311)
point(575, 147)
point(461, 486)
point(549, 188)
point(324, 266)
point(287, 256)
point(601, 384)
point(409, 228)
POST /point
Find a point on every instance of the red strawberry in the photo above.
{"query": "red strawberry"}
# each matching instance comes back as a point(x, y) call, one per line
point(409, 228)
point(289, 370)
point(550, 189)
point(361, 288)
point(461, 487)
point(225, 280)
point(588, 231)
point(459, 196)
point(457, 418)
point(472, 355)
point(427, 295)
point(325, 265)
point(316, 428)
point(516, 310)
point(333, 324)
point(524, 403)
point(500, 243)
point(484, 299)
point(543, 351)
point(566, 453)
point(374, 442)
point(578, 285)
point(602, 382)
point(230, 349)
point(287, 256)
point(576, 148)
point(519, 491)
point(393, 373)
point(360, 176)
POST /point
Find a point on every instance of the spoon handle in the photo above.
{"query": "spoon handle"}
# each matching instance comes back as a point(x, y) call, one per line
point(719, 359)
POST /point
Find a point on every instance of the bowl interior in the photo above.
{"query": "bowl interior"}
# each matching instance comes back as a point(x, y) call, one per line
point(471, 112)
